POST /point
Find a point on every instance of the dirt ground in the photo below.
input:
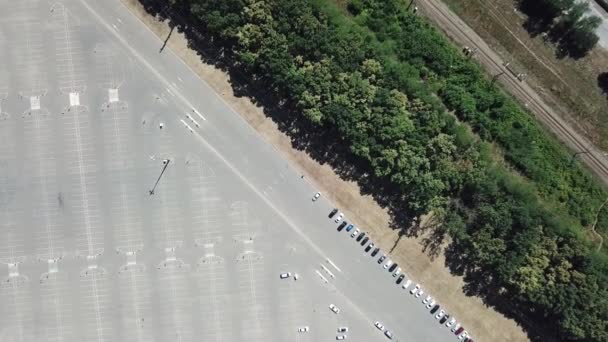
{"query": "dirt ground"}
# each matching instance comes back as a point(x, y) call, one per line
point(431, 272)
point(569, 86)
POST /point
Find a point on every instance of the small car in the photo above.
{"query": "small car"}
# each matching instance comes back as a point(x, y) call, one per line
point(379, 325)
point(431, 304)
point(339, 218)
point(350, 227)
point(407, 284)
point(303, 329)
point(332, 213)
point(400, 279)
point(355, 233)
point(388, 264)
point(389, 334)
point(296, 276)
point(444, 319)
point(375, 252)
point(463, 335)
point(450, 322)
point(341, 337)
point(435, 308)
point(415, 289)
point(334, 308)
point(381, 259)
point(397, 272)
point(369, 247)
point(316, 196)
point(285, 275)
point(342, 225)
point(361, 236)
point(440, 314)
point(364, 241)
point(342, 329)
point(459, 330)
point(392, 268)
point(427, 300)
point(419, 293)
point(456, 328)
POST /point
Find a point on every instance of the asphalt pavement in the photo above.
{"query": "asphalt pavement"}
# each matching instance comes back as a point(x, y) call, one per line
point(92, 115)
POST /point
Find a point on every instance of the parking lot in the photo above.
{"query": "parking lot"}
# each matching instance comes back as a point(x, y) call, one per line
point(135, 206)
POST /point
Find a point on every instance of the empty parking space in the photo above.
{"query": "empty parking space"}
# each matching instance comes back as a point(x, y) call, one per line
point(205, 203)
point(117, 136)
point(69, 55)
point(214, 305)
point(29, 51)
point(176, 304)
point(95, 307)
point(56, 318)
point(253, 298)
point(109, 66)
point(80, 163)
point(12, 235)
point(137, 321)
point(47, 198)
point(17, 321)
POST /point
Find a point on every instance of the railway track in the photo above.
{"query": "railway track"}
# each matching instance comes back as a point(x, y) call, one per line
point(461, 33)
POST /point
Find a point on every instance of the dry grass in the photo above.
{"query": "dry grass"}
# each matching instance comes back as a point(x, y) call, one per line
point(569, 86)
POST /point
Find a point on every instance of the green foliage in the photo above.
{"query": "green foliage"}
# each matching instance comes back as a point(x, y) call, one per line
point(383, 83)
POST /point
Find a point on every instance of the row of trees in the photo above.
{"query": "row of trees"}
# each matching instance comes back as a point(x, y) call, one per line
point(565, 23)
point(378, 84)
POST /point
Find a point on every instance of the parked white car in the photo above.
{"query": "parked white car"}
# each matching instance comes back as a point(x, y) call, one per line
point(355, 233)
point(419, 293)
point(339, 218)
point(303, 329)
point(450, 322)
point(285, 275)
point(427, 299)
point(341, 337)
point(406, 284)
point(342, 329)
point(440, 314)
point(431, 304)
point(415, 289)
point(397, 272)
point(388, 264)
point(379, 325)
point(334, 308)
point(463, 335)
point(316, 196)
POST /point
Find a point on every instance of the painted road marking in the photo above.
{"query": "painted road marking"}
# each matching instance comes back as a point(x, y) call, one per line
point(328, 271)
point(322, 277)
point(334, 265)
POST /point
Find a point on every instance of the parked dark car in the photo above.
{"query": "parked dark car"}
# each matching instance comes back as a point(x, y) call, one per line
point(400, 279)
point(369, 247)
point(375, 251)
point(392, 268)
point(364, 241)
point(333, 212)
point(342, 225)
point(361, 236)
point(435, 308)
point(459, 331)
point(444, 319)
point(350, 227)
point(382, 258)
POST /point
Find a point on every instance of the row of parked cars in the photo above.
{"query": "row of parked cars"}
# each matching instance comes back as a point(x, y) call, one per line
point(435, 309)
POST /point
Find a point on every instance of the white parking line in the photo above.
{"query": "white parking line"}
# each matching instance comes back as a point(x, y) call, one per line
point(328, 271)
point(322, 277)
point(334, 265)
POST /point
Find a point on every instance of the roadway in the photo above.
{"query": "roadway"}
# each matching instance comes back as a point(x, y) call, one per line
point(91, 255)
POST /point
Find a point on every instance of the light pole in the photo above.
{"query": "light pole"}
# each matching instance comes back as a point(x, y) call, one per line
point(165, 163)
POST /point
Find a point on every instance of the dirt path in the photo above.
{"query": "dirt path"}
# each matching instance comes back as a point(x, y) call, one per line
point(462, 34)
point(484, 323)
